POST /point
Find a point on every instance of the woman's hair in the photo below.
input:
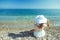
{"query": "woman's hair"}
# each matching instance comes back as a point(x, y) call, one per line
point(40, 26)
point(48, 24)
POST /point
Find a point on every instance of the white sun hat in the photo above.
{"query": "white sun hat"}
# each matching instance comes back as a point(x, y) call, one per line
point(40, 19)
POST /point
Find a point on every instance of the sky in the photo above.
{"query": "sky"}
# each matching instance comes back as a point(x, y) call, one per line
point(29, 4)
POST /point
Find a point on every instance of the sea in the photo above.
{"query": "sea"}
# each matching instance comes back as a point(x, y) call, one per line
point(24, 16)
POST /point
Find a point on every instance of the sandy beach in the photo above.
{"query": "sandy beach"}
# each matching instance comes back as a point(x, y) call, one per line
point(21, 31)
point(25, 34)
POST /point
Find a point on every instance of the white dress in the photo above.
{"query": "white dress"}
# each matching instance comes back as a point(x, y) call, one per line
point(40, 33)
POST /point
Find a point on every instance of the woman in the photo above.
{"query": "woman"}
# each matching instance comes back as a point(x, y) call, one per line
point(40, 23)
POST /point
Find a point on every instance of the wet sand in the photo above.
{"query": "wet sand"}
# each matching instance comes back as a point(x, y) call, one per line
point(25, 34)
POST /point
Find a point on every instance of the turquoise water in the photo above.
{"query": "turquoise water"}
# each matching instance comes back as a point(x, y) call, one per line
point(26, 15)
point(25, 12)
point(20, 14)
point(25, 18)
